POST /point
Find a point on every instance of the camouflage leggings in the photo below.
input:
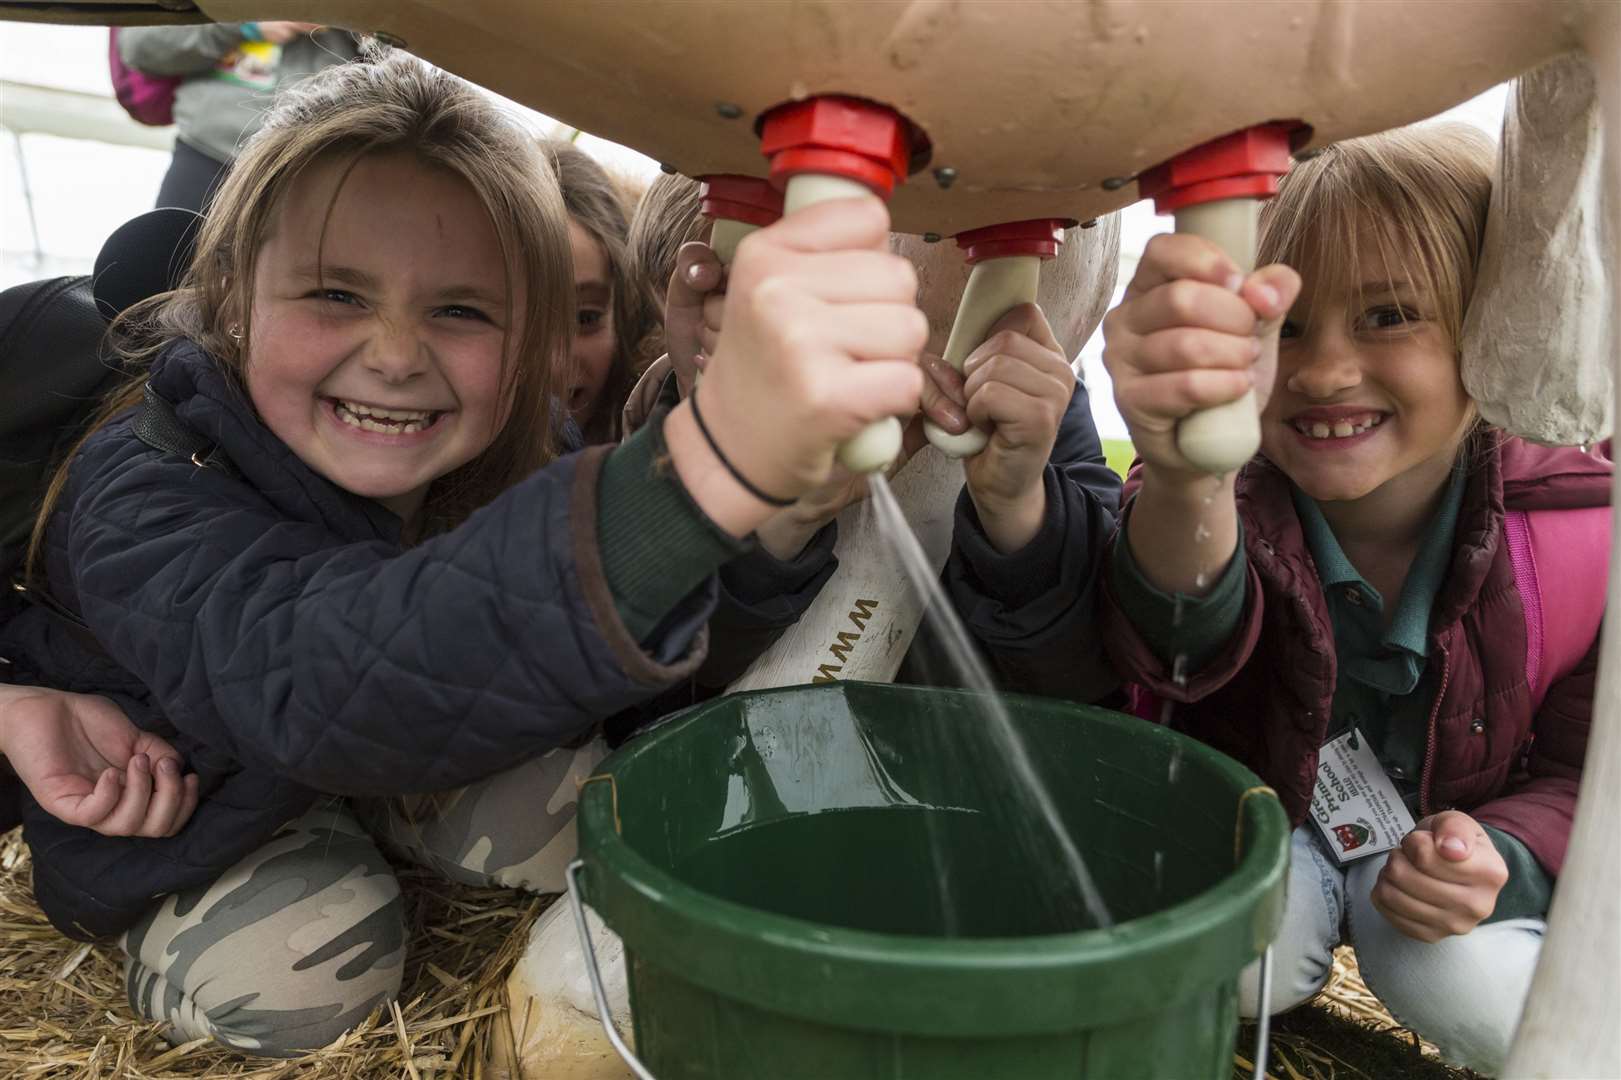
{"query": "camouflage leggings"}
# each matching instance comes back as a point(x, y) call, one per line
point(299, 941)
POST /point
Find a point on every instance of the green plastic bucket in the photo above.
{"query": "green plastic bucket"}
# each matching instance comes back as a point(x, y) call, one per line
point(768, 860)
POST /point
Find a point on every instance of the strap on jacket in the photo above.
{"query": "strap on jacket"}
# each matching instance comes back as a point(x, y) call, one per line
point(158, 427)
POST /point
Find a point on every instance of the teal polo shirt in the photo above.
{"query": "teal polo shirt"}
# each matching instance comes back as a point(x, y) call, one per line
point(1384, 688)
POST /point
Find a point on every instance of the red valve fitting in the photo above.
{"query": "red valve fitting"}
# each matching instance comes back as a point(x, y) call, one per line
point(1040, 236)
point(837, 136)
point(749, 199)
point(1243, 164)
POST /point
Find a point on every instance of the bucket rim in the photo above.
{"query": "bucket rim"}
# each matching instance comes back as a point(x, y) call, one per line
point(749, 954)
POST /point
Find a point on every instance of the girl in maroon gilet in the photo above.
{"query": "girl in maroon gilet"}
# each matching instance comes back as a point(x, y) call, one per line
point(1354, 600)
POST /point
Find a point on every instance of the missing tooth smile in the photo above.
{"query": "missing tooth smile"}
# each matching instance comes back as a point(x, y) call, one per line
point(1338, 429)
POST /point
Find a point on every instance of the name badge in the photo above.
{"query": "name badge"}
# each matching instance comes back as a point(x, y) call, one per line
point(1355, 805)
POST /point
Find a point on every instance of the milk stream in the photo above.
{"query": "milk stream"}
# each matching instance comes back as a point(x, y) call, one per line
point(973, 674)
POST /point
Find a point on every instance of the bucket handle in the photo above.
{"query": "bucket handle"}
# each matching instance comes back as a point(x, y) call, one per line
point(590, 954)
point(1263, 1023)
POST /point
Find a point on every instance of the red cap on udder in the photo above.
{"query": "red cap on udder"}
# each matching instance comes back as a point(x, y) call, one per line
point(740, 198)
point(1040, 236)
point(837, 136)
point(1244, 164)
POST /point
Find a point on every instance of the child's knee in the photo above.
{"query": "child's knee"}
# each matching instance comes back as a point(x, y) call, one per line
point(1303, 952)
point(278, 1008)
point(1300, 970)
point(1472, 1029)
point(1464, 994)
point(294, 945)
point(341, 968)
point(309, 1012)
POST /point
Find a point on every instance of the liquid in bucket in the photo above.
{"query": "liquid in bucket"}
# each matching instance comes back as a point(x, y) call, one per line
point(995, 755)
point(765, 858)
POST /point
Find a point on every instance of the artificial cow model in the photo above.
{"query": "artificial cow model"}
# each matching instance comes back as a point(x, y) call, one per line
point(976, 115)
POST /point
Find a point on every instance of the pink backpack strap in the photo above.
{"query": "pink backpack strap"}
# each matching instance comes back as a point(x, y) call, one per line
point(1144, 704)
point(1561, 561)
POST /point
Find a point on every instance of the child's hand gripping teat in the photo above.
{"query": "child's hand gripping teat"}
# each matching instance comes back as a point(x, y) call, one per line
point(841, 148)
point(693, 303)
point(1215, 191)
point(736, 206)
point(821, 328)
point(1191, 333)
point(1006, 261)
point(1017, 385)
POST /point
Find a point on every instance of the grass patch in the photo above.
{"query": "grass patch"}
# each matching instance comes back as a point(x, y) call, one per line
point(1119, 453)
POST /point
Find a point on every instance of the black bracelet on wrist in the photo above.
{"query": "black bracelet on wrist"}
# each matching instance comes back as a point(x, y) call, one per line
point(769, 500)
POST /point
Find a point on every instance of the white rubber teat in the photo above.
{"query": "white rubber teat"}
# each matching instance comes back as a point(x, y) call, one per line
point(965, 445)
point(874, 448)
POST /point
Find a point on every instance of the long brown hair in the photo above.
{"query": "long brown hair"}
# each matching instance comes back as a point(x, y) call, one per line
point(593, 201)
point(385, 101)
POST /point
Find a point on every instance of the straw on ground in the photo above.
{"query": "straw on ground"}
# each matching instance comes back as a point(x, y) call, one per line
point(62, 1011)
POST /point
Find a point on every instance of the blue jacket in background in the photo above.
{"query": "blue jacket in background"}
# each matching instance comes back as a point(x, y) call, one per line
point(1032, 612)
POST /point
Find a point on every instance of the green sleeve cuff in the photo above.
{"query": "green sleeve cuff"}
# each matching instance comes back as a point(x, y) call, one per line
point(657, 545)
point(250, 32)
point(1176, 624)
point(1529, 889)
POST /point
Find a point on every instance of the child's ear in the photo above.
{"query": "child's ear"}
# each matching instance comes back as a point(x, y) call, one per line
point(232, 322)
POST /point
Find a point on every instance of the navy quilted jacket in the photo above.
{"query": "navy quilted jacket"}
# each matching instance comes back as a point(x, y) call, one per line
point(1033, 611)
point(274, 629)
